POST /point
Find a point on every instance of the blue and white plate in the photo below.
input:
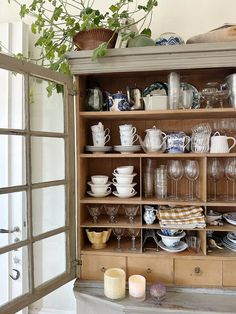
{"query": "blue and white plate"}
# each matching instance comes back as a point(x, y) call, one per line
point(178, 248)
point(196, 95)
point(157, 88)
point(230, 218)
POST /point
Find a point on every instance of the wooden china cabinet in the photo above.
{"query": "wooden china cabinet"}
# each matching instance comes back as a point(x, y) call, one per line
point(197, 65)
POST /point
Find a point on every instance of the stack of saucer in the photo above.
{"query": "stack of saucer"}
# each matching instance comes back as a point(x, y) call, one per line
point(123, 181)
point(100, 187)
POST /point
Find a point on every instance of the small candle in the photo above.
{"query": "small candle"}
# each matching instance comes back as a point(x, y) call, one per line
point(137, 287)
point(114, 283)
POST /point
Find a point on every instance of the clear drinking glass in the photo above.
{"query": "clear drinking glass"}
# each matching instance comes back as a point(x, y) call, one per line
point(131, 211)
point(111, 210)
point(118, 232)
point(208, 93)
point(175, 170)
point(191, 172)
point(148, 183)
point(94, 211)
point(215, 172)
point(230, 173)
point(133, 232)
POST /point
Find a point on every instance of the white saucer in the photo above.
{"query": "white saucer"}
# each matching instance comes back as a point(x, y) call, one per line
point(106, 184)
point(98, 195)
point(178, 248)
point(124, 184)
point(121, 196)
point(127, 149)
point(119, 174)
point(97, 149)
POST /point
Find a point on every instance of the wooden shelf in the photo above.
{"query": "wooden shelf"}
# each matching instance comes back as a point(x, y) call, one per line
point(160, 114)
point(168, 201)
point(226, 227)
point(111, 200)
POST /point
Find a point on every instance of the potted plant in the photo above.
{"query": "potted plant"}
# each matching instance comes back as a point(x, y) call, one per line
point(60, 24)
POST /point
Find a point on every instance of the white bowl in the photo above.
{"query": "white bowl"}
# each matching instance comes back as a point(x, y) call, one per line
point(171, 241)
point(100, 189)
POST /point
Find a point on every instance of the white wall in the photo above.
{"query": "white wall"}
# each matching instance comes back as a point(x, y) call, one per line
point(184, 17)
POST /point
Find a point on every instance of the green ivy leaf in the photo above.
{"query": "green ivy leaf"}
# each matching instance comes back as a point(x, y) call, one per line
point(113, 8)
point(100, 51)
point(23, 10)
point(147, 32)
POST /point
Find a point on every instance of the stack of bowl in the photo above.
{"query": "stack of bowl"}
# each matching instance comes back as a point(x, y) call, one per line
point(100, 186)
point(171, 240)
point(123, 181)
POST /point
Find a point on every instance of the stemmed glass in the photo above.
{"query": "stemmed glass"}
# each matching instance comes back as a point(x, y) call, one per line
point(175, 171)
point(131, 212)
point(215, 172)
point(191, 172)
point(133, 232)
point(221, 94)
point(111, 210)
point(118, 232)
point(230, 173)
point(94, 211)
point(208, 93)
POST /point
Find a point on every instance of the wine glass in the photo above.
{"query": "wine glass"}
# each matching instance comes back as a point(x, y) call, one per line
point(191, 172)
point(222, 94)
point(118, 232)
point(215, 172)
point(94, 211)
point(131, 212)
point(230, 173)
point(133, 232)
point(208, 93)
point(175, 170)
point(111, 210)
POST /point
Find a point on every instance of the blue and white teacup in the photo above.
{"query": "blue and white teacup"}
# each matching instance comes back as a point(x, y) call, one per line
point(177, 142)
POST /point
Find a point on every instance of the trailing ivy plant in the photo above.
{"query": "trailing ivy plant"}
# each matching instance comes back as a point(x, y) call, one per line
point(57, 21)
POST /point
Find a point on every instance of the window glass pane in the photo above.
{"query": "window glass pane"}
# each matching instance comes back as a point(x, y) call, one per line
point(12, 100)
point(48, 159)
point(12, 160)
point(13, 218)
point(49, 258)
point(13, 263)
point(48, 206)
point(46, 113)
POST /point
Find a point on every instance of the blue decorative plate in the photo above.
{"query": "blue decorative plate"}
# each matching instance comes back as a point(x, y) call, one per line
point(160, 87)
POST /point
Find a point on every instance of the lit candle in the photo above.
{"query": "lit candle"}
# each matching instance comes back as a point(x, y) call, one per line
point(137, 287)
point(114, 283)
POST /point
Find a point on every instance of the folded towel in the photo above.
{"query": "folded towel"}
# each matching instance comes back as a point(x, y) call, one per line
point(178, 213)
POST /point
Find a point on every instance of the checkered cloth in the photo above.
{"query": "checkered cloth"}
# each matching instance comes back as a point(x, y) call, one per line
point(186, 217)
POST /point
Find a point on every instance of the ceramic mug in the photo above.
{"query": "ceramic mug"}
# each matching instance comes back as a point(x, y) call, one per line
point(177, 142)
point(219, 143)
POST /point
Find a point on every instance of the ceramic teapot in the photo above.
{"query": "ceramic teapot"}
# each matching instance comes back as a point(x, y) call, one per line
point(154, 140)
point(118, 101)
point(149, 215)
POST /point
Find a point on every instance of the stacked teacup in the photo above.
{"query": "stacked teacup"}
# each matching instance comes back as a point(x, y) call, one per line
point(100, 186)
point(128, 134)
point(99, 135)
point(123, 181)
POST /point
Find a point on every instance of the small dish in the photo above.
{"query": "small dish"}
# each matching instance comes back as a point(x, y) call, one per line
point(126, 149)
point(98, 195)
point(178, 248)
point(97, 149)
point(123, 196)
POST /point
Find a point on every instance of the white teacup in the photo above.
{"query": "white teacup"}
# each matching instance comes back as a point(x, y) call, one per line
point(124, 170)
point(100, 139)
point(100, 189)
point(99, 179)
point(127, 139)
point(125, 189)
point(219, 143)
point(127, 128)
point(120, 179)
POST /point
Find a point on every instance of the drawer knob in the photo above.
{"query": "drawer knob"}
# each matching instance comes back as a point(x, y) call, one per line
point(103, 269)
point(197, 270)
point(149, 270)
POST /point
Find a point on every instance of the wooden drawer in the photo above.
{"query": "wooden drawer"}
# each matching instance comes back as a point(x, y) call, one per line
point(198, 272)
point(94, 266)
point(153, 269)
point(229, 273)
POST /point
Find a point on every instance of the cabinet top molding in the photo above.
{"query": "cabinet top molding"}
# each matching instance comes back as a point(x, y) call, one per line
point(189, 56)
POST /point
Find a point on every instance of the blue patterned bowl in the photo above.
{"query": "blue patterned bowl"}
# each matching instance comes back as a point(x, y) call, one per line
point(167, 39)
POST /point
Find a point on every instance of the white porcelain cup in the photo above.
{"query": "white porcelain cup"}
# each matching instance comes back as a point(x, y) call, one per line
point(100, 128)
point(100, 189)
point(125, 189)
point(127, 128)
point(100, 139)
point(119, 179)
point(220, 143)
point(128, 140)
point(124, 170)
point(99, 179)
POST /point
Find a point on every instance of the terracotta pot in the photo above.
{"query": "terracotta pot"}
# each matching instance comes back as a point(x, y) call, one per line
point(91, 39)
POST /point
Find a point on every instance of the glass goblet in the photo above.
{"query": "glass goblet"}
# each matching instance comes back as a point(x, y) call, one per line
point(94, 211)
point(215, 172)
point(230, 173)
point(118, 232)
point(175, 170)
point(208, 93)
point(191, 172)
point(222, 94)
point(131, 212)
point(133, 232)
point(111, 210)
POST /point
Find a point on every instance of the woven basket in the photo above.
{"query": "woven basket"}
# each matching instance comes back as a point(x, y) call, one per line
point(91, 39)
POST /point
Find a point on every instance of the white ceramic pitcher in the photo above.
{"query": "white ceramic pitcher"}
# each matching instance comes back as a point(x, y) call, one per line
point(220, 143)
point(154, 140)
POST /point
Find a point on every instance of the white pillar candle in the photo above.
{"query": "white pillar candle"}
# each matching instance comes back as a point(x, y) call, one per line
point(137, 287)
point(114, 283)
